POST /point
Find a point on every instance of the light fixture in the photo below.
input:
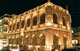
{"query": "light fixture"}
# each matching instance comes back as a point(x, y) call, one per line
point(48, 24)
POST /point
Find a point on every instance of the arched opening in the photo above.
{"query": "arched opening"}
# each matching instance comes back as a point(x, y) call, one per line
point(13, 26)
point(10, 28)
point(55, 18)
point(34, 40)
point(21, 40)
point(64, 21)
point(64, 42)
point(28, 22)
point(27, 40)
point(42, 19)
point(41, 40)
point(35, 20)
point(55, 41)
point(22, 24)
point(18, 25)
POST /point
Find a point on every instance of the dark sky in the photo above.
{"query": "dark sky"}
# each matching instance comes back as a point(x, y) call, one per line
point(20, 6)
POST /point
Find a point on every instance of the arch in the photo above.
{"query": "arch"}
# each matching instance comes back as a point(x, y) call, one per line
point(28, 22)
point(10, 28)
point(22, 24)
point(55, 18)
point(41, 39)
point(64, 21)
point(34, 40)
point(27, 40)
point(35, 20)
point(14, 26)
point(18, 25)
point(55, 40)
point(21, 40)
point(42, 19)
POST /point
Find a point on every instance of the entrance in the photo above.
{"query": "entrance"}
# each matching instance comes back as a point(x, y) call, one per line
point(55, 41)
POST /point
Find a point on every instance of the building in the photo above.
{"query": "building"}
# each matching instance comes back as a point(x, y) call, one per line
point(3, 32)
point(76, 36)
point(44, 27)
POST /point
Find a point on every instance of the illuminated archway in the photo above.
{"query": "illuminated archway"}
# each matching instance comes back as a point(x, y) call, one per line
point(55, 41)
point(41, 39)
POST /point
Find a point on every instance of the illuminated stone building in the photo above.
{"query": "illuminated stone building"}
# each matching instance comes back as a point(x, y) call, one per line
point(44, 27)
point(3, 32)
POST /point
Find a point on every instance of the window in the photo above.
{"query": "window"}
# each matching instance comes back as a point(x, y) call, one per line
point(18, 25)
point(13, 26)
point(35, 20)
point(10, 28)
point(64, 22)
point(54, 18)
point(28, 22)
point(42, 19)
point(22, 24)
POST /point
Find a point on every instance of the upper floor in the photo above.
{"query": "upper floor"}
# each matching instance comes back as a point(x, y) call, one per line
point(46, 15)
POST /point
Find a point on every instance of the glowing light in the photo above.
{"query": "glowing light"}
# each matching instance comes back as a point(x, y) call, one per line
point(4, 45)
point(74, 41)
point(33, 36)
point(49, 48)
point(14, 45)
point(48, 24)
point(37, 46)
point(26, 36)
point(41, 35)
point(68, 28)
point(0, 41)
point(30, 46)
point(0, 48)
point(72, 31)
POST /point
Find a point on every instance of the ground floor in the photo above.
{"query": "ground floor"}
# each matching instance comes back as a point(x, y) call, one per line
point(41, 39)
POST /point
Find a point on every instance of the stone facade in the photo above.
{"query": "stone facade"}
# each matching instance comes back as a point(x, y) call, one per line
point(46, 26)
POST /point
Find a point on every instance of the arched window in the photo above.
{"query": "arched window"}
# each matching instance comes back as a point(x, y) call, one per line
point(34, 40)
point(42, 19)
point(55, 18)
point(22, 24)
point(55, 40)
point(13, 26)
point(64, 22)
point(35, 20)
point(18, 25)
point(28, 22)
point(41, 39)
point(10, 28)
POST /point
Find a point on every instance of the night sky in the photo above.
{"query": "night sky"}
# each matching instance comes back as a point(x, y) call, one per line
point(20, 6)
